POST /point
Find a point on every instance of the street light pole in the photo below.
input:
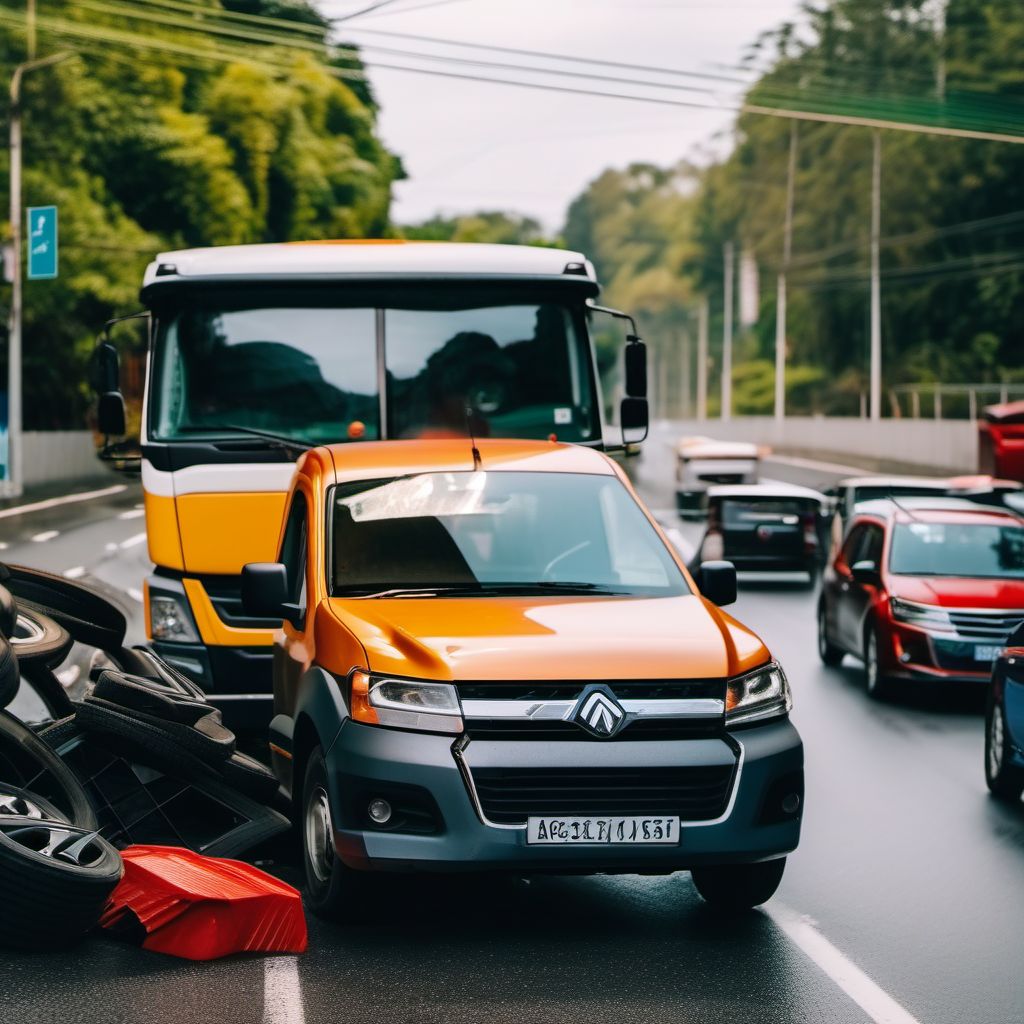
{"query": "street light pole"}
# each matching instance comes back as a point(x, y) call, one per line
point(876, 287)
point(15, 463)
point(780, 302)
point(703, 315)
point(729, 258)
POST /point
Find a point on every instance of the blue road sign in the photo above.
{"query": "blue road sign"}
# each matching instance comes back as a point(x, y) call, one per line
point(42, 242)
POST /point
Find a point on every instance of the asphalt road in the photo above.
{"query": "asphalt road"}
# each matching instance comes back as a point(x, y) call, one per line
point(904, 902)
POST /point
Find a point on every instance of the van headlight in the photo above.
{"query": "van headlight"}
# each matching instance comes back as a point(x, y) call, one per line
point(419, 704)
point(763, 693)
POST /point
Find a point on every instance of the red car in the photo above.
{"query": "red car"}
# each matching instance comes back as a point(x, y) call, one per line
point(923, 588)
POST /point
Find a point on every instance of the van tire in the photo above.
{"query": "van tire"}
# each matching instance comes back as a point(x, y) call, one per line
point(333, 890)
point(737, 887)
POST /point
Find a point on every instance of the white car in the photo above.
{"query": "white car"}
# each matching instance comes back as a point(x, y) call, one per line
point(702, 462)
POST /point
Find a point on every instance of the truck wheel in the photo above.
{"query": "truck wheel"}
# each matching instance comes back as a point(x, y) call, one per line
point(1005, 781)
point(827, 651)
point(334, 891)
point(735, 887)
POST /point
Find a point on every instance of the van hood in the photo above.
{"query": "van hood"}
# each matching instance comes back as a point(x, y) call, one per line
point(957, 592)
point(590, 637)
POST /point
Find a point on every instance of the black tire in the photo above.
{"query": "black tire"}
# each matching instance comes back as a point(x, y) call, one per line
point(143, 662)
point(23, 803)
point(8, 613)
point(155, 697)
point(1005, 781)
point(876, 683)
point(333, 891)
point(738, 887)
point(46, 643)
point(250, 777)
point(89, 618)
point(207, 741)
point(827, 651)
point(30, 762)
point(59, 732)
point(52, 900)
point(10, 675)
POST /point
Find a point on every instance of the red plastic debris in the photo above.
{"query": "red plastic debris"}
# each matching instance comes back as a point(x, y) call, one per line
point(201, 908)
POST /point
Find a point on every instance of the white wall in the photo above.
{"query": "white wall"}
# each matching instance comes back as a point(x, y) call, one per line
point(58, 456)
point(947, 445)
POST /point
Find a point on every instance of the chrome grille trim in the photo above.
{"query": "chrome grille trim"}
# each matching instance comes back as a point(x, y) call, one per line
point(560, 710)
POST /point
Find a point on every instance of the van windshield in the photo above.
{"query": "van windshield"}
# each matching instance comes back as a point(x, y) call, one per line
point(496, 532)
point(315, 373)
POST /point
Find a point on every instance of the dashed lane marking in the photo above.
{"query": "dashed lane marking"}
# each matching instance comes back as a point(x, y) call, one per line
point(42, 538)
point(868, 995)
point(132, 513)
point(133, 541)
point(282, 991)
point(67, 499)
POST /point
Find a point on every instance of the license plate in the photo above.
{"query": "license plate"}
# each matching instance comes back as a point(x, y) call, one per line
point(986, 653)
point(602, 831)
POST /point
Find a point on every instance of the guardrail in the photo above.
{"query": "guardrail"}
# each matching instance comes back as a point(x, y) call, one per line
point(60, 456)
point(945, 446)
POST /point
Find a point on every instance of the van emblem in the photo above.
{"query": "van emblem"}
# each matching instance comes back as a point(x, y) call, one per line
point(598, 712)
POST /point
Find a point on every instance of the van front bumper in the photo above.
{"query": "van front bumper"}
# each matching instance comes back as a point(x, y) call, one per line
point(752, 827)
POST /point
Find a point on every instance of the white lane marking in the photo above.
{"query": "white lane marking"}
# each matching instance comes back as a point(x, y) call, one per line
point(132, 541)
point(135, 594)
point(870, 997)
point(67, 499)
point(75, 572)
point(828, 467)
point(132, 513)
point(3, 545)
point(42, 538)
point(282, 991)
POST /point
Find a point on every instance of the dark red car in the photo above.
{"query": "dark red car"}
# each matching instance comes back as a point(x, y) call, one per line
point(923, 588)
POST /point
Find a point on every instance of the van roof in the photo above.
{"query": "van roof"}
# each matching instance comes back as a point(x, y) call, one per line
point(369, 258)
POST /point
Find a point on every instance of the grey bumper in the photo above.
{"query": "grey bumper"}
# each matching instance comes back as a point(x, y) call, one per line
point(750, 829)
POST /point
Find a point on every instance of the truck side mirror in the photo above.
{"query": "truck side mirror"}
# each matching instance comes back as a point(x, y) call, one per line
point(633, 417)
point(636, 368)
point(110, 415)
point(718, 582)
point(105, 368)
point(265, 592)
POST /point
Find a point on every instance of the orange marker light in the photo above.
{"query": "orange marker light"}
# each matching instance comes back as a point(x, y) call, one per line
point(361, 709)
point(356, 430)
point(552, 438)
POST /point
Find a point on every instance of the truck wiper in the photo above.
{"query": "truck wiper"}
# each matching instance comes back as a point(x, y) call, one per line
point(277, 440)
point(486, 590)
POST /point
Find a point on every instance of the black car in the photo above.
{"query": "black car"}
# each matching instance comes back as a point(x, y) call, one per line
point(1004, 722)
point(767, 527)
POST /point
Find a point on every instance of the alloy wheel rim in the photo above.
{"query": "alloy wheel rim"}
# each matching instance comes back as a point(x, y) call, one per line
point(995, 742)
point(55, 840)
point(319, 835)
point(18, 806)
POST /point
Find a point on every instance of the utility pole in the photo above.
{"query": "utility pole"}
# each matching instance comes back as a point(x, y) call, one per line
point(876, 287)
point(15, 448)
point(685, 407)
point(702, 359)
point(780, 302)
point(729, 258)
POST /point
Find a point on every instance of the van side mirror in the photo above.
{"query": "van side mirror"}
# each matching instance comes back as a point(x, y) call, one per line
point(635, 357)
point(865, 572)
point(718, 582)
point(110, 414)
point(633, 418)
point(265, 592)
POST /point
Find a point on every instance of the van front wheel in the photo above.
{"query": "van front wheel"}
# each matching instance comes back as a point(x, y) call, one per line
point(333, 890)
point(734, 887)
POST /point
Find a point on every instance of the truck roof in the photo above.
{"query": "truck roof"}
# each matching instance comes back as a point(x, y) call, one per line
point(370, 258)
point(368, 460)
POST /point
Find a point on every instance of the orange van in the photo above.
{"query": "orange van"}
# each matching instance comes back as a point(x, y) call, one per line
point(491, 658)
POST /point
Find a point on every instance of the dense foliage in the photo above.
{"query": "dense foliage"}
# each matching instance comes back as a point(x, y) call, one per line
point(952, 211)
point(154, 135)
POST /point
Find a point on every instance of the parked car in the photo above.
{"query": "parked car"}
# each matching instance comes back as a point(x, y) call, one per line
point(492, 659)
point(1001, 440)
point(702, 462)
point(1004, 721)
point(923, 588)
point(767, 527)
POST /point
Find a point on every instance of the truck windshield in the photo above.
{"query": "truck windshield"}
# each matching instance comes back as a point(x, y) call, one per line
point(958, 549)
point(496, 532)
point(314, 373)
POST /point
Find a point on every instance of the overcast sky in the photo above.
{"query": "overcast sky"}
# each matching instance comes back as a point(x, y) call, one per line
point(473, 145)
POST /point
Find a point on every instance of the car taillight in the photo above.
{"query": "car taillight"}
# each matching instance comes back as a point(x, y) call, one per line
point(810, 530)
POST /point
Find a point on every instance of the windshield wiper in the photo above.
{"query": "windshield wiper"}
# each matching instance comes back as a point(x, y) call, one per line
point(488, 590)
point(276, 440)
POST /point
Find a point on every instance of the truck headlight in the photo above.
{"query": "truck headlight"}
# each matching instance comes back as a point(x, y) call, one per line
point(423, 705)
point(170, 620)
point(924, 616)
point(763, 693)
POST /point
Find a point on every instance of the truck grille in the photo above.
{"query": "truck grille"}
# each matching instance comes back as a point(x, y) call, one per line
point(508, 796)
point(984, 625)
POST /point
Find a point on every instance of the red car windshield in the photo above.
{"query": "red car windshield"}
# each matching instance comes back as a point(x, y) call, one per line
point(973, 550)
